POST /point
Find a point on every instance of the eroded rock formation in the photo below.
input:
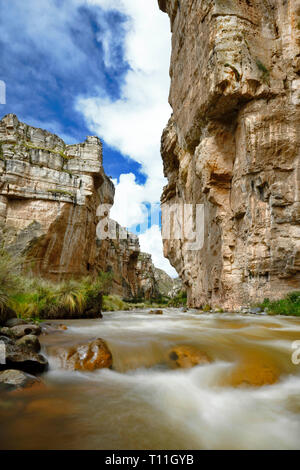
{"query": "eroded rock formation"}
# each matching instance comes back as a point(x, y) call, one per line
point(232, 144)
point(49, 195)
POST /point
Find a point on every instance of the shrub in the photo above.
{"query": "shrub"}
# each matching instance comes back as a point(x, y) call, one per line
point(113, 303)
point(290, 305)
point(180, 300)
point(9, 277)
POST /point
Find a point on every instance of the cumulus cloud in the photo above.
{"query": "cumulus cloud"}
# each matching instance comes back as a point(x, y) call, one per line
point(128, 208)
point(63, 49)
point(133, 123)
point(150, 242)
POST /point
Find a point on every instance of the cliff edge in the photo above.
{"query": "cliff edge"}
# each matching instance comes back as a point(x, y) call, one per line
point(232, 144)
point(49, 196)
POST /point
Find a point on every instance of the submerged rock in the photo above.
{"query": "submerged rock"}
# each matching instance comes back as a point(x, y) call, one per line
point(50, 328)
point(187, 356)
point(156, 312)
point(255, 374)
point(255, 311)
point(16, 379)
point(89, 357)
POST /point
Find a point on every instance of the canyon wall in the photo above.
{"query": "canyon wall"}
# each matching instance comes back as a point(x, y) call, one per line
point(232, 144)
point(49, 195)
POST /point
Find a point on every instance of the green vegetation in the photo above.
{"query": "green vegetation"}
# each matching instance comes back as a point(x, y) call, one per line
point(61, 192)
point(9, 281)
point(180, 300)
point(29, 145)
point(290, 305)
point(35, 298)
point(1, 152)
point(265, 72)
point(206, 308)
point(113, 303)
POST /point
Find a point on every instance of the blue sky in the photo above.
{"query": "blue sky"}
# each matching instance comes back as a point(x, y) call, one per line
point(41, 82)
point(95, 67)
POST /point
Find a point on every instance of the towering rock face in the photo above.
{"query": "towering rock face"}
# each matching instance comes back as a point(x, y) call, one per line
point(232, 144)
point(49, 195)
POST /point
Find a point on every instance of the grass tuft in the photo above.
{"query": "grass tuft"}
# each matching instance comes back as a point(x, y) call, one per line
point(290, 305)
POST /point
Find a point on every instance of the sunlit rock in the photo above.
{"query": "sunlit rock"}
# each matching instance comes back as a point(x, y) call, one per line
point(232, 144)
point(186, 357)
point(88, 357)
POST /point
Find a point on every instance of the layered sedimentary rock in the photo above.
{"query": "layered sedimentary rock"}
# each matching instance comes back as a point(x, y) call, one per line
point(49, 196)
point(232, 144)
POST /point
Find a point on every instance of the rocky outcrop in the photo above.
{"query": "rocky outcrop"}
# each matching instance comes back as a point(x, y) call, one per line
point(167, 286)
point(148, 287)
point(232, 144)
point(49, 196)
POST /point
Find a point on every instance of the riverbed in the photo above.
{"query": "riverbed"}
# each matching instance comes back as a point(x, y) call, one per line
point(246, 397)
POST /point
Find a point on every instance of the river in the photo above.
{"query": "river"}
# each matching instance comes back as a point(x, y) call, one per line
point(247, 397)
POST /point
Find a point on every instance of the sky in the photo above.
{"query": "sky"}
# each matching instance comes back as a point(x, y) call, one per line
point(96, 67)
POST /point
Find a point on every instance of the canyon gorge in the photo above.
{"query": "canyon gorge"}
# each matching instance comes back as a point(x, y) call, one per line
point(49, 196)
point(232, 144)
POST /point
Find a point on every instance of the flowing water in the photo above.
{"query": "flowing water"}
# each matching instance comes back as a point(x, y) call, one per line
point(247, 397)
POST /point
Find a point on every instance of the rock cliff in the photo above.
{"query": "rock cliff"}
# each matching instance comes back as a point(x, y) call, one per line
point(232, 144)
point(49, 195)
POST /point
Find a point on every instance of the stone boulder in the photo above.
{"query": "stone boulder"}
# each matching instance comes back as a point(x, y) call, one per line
point(156, 312)
point(15, 322)
point(252, 374)
point(19, 331)
point(15, 379)
point(6, 340)
point(6, 314)
point(186, 357)
point(30, 342)
point(88, 357)
point(50, 328)
point(21, 358)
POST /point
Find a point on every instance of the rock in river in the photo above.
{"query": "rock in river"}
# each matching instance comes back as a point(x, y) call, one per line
point(187, 356)
point(89, 357)
point(21, 358)
point(19, 331)
point(156, 312)
point(16, 379)
point(30, 342)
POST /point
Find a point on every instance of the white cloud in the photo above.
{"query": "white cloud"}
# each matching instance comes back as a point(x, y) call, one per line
point(128, 209)
point(133, 124)
point(151, 242)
